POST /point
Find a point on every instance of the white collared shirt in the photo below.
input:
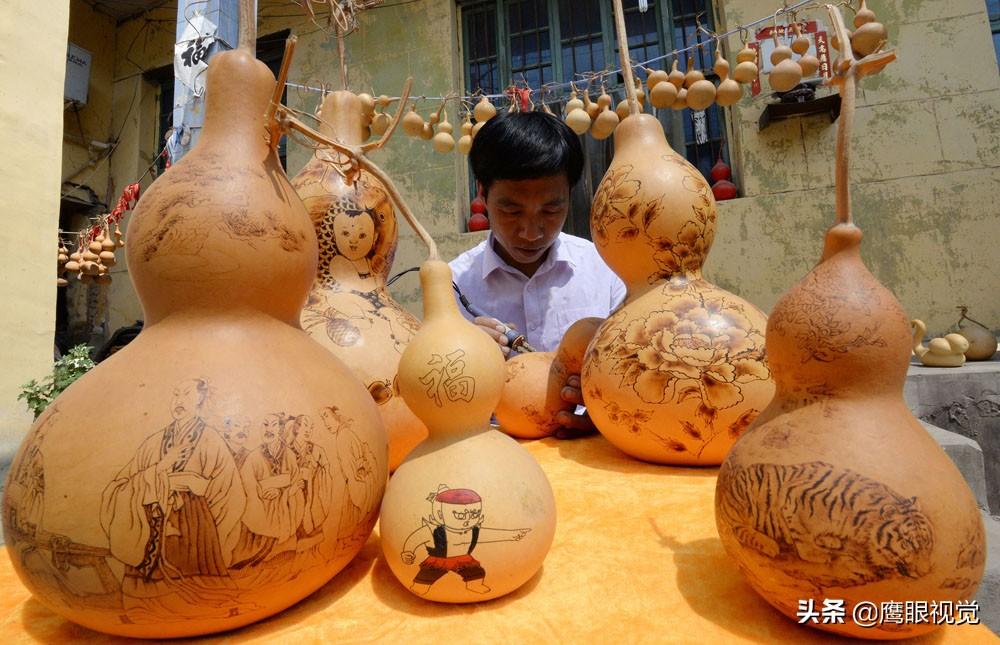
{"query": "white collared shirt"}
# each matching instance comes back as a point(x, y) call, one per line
point(572, 283)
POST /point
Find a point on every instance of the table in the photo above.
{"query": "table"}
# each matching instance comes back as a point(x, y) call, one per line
point(636, 559)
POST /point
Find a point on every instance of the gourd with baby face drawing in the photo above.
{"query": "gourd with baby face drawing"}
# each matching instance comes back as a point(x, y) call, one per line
point(242, 465)
point(350, 311)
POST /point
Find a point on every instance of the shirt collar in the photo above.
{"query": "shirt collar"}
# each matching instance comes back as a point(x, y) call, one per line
point(559, 252)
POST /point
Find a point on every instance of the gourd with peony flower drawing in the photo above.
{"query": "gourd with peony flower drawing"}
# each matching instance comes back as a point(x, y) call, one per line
point(677, 373)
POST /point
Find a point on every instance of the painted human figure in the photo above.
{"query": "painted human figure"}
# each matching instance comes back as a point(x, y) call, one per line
point(236, 431)
point(450, 534)
point(275, 498)
point(172, 517)
point(314, 470)
point(355, 236)
point(25, 498)
point(354, 468)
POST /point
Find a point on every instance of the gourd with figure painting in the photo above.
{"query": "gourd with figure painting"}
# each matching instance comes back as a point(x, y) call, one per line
point(350, 311)
point(836, 490)
point(677, 373)
point(245, 468)
point(532, 392)
point(469, 515)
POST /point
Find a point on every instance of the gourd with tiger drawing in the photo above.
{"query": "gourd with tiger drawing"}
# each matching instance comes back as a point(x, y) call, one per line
point(836, 491)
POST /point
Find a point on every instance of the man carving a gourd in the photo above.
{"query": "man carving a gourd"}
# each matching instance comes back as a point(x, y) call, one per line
point(528, 273)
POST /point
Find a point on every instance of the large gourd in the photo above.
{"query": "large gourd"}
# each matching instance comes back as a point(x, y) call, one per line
point(677, 373)
point(469, 515)
point(244, 464)
point(350, 311)
point(836, 491)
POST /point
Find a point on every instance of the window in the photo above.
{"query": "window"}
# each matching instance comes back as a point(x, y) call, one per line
point(993, 8)
point(546, 41)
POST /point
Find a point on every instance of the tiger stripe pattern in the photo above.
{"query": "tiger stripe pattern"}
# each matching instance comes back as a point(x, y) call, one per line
point(815, 513)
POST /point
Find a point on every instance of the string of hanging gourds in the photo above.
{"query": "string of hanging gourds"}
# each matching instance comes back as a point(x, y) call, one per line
point(675, 89)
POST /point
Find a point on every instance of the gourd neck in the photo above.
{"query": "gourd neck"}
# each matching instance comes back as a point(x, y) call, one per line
point(439, 297)
point(237, 94)
point(343, 118)
point(641, 132)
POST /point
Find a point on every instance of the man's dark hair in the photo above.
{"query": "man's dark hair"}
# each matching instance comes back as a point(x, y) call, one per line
point(525, 145)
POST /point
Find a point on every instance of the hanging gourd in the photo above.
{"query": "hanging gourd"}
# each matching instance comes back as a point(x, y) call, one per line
point(155, 521)
point(786, 73)
point(662, 93)
point(869, 35)
point(700, 91)
point(837, 491)
point(604, 124)
point(465, 141)
point(413, 123)
point(532, 391)
point(746, 65)
point(73, 265)
point(62, 259)
point(681, 102)
point(729, 91)
point(443, 141)
point(677, 373)
point(592, 108)
point(469, 516)
point(119, 240)
point(484, 110)
point(350, 311)
point(982, 341)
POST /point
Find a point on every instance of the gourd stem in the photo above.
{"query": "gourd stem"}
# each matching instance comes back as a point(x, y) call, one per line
point(343, 63)
point(845, 123)
point(248, 26)
point(630, 94)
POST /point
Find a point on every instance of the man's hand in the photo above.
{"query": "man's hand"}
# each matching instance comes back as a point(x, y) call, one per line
point(573, 425)
point(495, 329)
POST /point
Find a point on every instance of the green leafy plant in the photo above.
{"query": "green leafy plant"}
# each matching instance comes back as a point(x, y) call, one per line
point(74, 364)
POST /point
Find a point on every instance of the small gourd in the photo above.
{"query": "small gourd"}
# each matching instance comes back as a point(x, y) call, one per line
point(574, 103)
point(465, 141)
point(693, 75)
point(592, 108)
point(622, 109)
point(640, 93)
point(676, 76)
point(786, 73)
point(484, 110)
point(604, 100)
point(729, 91)
point(427, 132)
point(532, 393)
point(380, 123)
point(578, 120)
point(119, 240)
point(800, 45)
point(869, 34)
point(680, 102)
point(443, 141)
point(982, 341)
point(653, 78)
point(663, 94)
point(700, 91)
point(604, 124)
point(477, 127)
point(413, 123)
point(746, 65)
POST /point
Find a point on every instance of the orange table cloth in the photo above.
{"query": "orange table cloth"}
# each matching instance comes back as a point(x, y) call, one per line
point(636, 559)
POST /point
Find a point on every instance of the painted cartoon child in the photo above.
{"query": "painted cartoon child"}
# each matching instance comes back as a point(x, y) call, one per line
point(451, 533)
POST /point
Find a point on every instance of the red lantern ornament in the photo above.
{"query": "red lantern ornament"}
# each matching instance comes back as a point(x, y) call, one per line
point(478, 221)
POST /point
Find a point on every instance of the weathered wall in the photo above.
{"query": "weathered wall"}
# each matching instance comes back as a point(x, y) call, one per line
point(924, 170)
point(31, 130)
point(925, 152)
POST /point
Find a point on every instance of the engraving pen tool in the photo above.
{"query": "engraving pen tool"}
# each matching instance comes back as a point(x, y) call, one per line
point(515, 339)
